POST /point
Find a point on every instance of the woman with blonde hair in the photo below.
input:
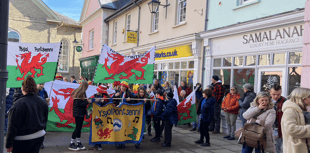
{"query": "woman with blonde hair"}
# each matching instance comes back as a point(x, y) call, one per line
point(79, 111)
point(167, 87)
point(262, 110)
point(295, 131)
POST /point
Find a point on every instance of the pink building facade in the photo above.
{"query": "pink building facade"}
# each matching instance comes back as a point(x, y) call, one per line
point(305, 78)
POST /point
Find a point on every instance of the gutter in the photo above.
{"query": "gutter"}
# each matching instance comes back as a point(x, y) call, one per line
point(204, 47)
point(138, 32)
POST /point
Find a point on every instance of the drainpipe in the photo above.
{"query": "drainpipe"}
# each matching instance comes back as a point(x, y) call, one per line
point(204, 48)
point(4, 19)
point(138, 34)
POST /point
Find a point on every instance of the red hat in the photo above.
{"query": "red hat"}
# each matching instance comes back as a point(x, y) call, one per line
point(116, 83)
point(90, 82)
point(102, 89)
point(125, 84)
point(58, 76)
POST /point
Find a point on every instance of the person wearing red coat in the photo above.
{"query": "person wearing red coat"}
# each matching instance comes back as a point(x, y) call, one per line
point(230, 106)
point(184, 86)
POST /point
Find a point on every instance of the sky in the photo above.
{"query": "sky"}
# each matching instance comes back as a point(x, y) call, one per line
point(69, 8)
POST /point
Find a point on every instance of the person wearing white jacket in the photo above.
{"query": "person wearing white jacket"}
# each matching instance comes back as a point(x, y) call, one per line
point(295, 131)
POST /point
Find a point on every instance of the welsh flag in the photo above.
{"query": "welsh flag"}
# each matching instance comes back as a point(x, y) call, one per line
point(36, 60)
point(113, 66)
point(60, 116)
point(187, 109)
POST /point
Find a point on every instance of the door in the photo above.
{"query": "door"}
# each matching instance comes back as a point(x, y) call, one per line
point(269, 77)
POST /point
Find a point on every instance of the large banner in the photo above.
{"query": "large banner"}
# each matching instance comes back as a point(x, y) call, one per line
point(187, 109)
point(60, 116)
point(36, 60)
point(113, 66)
point(114, 125)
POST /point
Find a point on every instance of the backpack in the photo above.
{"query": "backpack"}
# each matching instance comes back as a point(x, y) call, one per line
point(254, 135)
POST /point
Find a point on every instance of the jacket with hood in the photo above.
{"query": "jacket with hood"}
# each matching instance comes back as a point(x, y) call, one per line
point(207, 109)
point(157, 109)
point(295, 132)
point(266, 119)
point(171, 112)
point(231, 103)
point(245, 102)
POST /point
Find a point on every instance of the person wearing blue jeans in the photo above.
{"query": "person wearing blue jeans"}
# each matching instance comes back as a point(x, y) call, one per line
point(247, 149)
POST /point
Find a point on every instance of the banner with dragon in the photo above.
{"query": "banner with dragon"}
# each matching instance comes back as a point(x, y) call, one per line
point(113, 66)
point(37, 60)
point(187, 109)
point(113, 125)
point(60, 116)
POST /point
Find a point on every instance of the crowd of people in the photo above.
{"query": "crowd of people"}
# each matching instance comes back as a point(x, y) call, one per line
point(284, 120)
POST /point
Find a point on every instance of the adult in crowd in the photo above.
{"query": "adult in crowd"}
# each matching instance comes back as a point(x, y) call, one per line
point(42, 93)
point(65, 79)
point(8, 104)
point(295, 122)
point(218, 93)
point(198, 95)
point(247, 99)
point(199, 107)
point(157, 110)
point(79, 111)
point(278, 100)
point(184, 86)
point(182, 95)
point(157, 86)
point(27, 120)
point(58, 77)
point(230, 106)
point(73, 79)
point(207, 113)
point(170, 117)
point(262, 109)
point(167, 87)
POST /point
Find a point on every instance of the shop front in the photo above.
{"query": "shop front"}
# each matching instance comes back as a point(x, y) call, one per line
point(176, 64)
point(262, 56)
point(88, 67)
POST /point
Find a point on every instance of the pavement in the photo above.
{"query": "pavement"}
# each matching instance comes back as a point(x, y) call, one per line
point(182, 142)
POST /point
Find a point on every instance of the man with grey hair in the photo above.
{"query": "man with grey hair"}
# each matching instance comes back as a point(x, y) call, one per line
point(182, 95)
point(247, 99)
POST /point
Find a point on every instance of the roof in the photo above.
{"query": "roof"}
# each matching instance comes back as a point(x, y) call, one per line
point(66, 20)
point(113, 4)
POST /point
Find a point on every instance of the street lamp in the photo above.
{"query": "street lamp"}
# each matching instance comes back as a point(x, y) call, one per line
point(74, 47)
point(154, 5)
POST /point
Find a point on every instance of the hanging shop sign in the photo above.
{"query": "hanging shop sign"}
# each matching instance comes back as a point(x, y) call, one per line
point(175, 52)
point(132, 37)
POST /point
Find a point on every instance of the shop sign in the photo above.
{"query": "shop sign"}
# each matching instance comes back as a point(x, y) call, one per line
point(132, 37)
point(79, 48)
point(175, 52)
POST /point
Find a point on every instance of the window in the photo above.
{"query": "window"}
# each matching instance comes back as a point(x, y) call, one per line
point(238, 61)
point(114, 32)
point(243, 2)
point(13, 36)
point(127, 26)
point(155, 21)
point(91, 39)
point(250, 60)
point(279, 59)
point(217, 62)
point(295, 57)
point(63, 64)
point(181, 11)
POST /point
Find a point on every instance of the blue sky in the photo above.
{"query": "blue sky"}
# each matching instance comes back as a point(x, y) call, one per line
point(69, 8)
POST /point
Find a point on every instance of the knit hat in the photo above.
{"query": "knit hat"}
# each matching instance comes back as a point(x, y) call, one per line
point(158, 91)
point(58, 75)
point(215, 77)
point(170, 95)
point(102, 89)
point(90, 82)
point(125, 84)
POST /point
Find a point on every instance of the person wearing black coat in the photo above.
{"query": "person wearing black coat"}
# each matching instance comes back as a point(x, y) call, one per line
point(170, 116)
point(27, 120)
point(207, 113)
point(8, 105)
point(157, 110)
point(79, 111)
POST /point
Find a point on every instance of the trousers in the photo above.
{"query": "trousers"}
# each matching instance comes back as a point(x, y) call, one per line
point(215, 124)
point(231, 123)
point(78, 128)
point(168, 132)
point(27, 146)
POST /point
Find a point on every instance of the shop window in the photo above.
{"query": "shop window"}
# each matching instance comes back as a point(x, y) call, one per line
point(295, 57)
point(164, 66)
point(188, 77)
point(294, 77)
point(217, 62)
point(159, 67)
point(181, 11)
point(155, 75)
point(177, 65)
point(264, 59)
point(183, 65)
point(13, 36)
point(225, 77)
point(238, 61)
point(191, 64)
point(243, 76)
point(250, 60)
point(227, 62)
point(63, 64)
point(279, 59)
point(155, 66)
point(174, 78)
point(162, 77)
point(170, 65)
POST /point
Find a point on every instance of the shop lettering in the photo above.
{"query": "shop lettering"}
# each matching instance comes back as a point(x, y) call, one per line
point(118, 112)
point(168, 54)
point(284, 33)
point(23, 49)
point(277, 42)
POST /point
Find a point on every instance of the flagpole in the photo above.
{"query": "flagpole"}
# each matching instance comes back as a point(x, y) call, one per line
point(121, 99)
point(49, 96)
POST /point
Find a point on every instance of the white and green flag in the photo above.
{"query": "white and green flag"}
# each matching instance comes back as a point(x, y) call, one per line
point(37, 60)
